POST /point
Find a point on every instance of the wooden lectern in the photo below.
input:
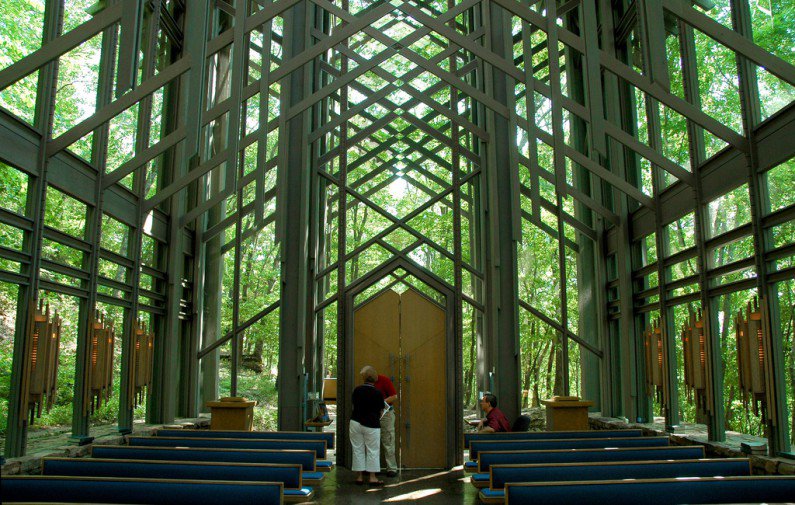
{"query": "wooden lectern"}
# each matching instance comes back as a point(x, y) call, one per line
point(232, 413)
point(567, 413)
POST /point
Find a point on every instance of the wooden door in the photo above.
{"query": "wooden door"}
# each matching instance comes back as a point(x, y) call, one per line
point(423, 388)
point(403, 337)
point(377, 335)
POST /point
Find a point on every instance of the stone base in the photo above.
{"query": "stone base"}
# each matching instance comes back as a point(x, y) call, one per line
point(696, 434)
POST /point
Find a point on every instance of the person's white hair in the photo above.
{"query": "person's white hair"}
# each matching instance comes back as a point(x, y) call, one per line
point(369, 373)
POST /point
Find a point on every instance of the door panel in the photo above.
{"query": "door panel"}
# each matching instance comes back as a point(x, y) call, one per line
point(376, 335)
point(408, 330)
point(423, 423)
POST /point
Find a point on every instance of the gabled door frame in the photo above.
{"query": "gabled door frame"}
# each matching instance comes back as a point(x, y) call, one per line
point(349, 376)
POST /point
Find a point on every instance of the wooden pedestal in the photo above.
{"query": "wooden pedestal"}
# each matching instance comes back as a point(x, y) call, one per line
point(232, 415)
point(567, 413)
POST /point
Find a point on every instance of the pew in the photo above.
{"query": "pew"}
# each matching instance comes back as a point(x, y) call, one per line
point(477, 446)
point(319, 446)
point(287, 474)
point(90, 489)
point(302, 457)
point(488, 458)
point(534, 435)
point(493, 483)
point(328, 436)
point(753, 489)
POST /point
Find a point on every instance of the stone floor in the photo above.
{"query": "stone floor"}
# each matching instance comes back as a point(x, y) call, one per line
point(429, 487)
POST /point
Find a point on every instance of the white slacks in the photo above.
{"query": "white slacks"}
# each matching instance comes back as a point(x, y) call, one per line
point(366, 451)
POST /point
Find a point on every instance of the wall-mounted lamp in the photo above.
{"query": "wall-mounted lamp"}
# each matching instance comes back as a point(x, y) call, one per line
point(694, 346)
point(141, 369)
point(99, 373)
point(752, 354)
point(42, 350)
point(653, 346)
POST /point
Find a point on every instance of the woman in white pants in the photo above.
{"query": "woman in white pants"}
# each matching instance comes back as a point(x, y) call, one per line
point(365, 428)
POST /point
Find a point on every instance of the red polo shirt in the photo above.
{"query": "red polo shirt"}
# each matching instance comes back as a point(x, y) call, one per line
point(385, 385)
point(497, 421)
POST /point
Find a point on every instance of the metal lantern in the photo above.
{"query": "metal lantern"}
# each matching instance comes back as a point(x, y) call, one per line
point(652, 341)
point(695, 359)
point(100, 365)
point(141, 369)
point(43, 347)
point(752, 355)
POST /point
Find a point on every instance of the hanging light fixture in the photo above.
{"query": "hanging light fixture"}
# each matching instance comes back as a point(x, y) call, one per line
point(100, 365)
point(752, 354)
point(141, 369)
point(42, 350)
point(652, 341)
point(695, 359)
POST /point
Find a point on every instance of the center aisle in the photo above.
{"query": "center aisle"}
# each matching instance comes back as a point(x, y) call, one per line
point(429, 487)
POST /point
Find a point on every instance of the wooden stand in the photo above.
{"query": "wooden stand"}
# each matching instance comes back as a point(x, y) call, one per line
point(316, 425)
point(232, 414)
point(566, 413)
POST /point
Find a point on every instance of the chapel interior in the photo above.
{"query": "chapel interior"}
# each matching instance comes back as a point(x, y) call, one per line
point(205, 202)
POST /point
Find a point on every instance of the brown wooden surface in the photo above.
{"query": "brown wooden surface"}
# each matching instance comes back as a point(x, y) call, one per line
point(403, 336)
point(231, 415)
point(565, 415)
point(424, 388)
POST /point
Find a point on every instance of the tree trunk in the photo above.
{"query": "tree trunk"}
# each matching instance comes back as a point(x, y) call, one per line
point(470, 372)
point(551, 360)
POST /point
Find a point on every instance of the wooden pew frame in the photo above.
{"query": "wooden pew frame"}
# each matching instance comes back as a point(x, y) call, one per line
point(620, 449)
point(653, 441)
point(172, 449)
point(640, 482)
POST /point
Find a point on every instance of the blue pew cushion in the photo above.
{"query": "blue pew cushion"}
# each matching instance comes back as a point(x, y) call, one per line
point(313, 476)
point(480, 480)
point(491, 495)
point(298, 495)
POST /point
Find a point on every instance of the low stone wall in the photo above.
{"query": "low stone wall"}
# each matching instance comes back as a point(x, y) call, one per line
point(693, 435)
point(31, 464)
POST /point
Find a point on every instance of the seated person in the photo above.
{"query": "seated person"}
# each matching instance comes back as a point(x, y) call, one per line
point(495, 420)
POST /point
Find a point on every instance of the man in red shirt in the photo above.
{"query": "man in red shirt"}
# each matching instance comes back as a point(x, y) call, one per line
point(495, 419)
point(384, 384)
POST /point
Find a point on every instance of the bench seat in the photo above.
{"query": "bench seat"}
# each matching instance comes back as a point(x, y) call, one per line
point(324, 465)
point(537, 435)
point(328, 436)
point(488, 458)
point(306, 459)
point(750, 489)
point(500, 475)
point(91, 489)
point(582, 443)
point(298, 495)
point(319, 446)
point(313, 477)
